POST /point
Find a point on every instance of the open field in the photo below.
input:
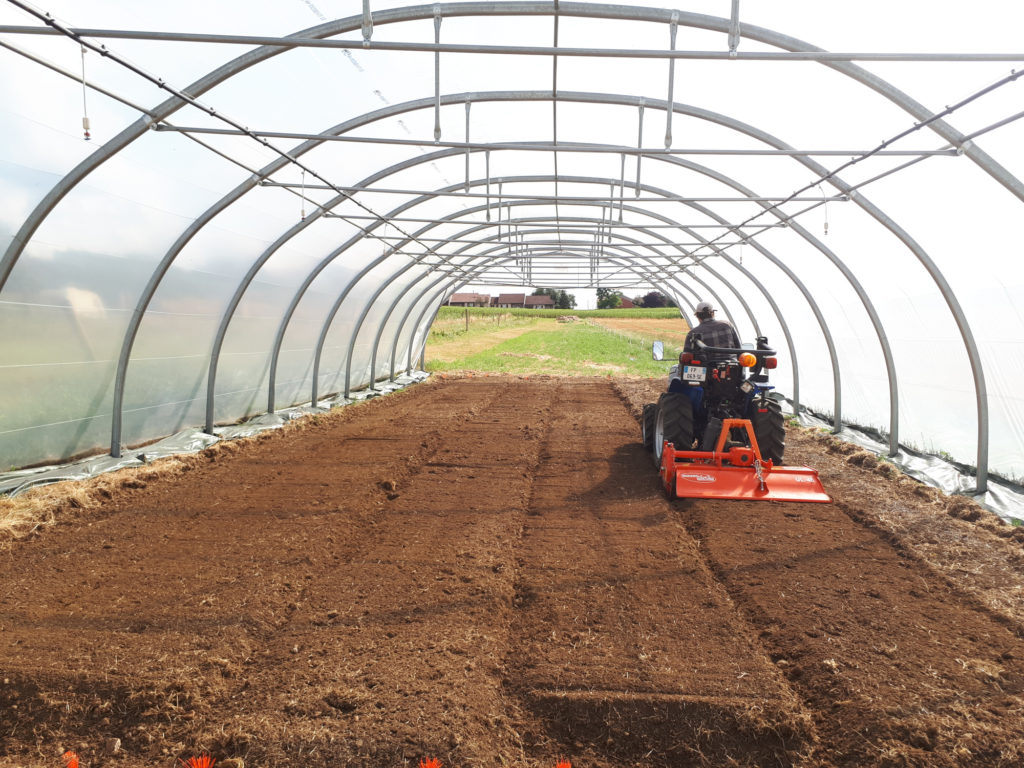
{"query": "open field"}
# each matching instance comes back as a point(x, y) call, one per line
point(671, 330)
point(485, 570)
point(591, 345)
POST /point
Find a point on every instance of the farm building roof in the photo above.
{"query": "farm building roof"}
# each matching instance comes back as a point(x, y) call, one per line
point(539, 301)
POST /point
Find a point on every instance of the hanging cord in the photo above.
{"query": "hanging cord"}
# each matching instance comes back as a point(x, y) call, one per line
point(824, 207)
point(302, 197)
point(85, 108)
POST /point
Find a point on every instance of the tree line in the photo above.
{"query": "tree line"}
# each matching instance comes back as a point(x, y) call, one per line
point(612, 299)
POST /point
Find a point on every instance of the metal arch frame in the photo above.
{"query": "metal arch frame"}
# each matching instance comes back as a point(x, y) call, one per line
point(405, 164)
point(449, 153)
point(668, 195)
point(294, 230)
point(869, 307)
point(369, 304)
point(394, 304)
point(337, 200)
point(479, 226)
point(728, 122)
point(404, 321)
point(571, 9)
point(455, 218)
point(768, 298)
point(497, 8)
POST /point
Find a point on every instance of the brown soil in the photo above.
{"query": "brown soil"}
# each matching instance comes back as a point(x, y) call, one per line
point(485, 570)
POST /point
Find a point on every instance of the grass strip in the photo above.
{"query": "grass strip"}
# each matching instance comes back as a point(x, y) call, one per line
point(572, 349)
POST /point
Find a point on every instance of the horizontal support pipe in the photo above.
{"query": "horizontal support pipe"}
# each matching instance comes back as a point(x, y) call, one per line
point(524, 146)
point(538, 222)
point(539, 50)
point(549, 198)
point(574, 230)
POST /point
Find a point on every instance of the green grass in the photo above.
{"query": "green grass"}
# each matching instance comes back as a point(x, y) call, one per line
point(452, 325)
point(577, 349)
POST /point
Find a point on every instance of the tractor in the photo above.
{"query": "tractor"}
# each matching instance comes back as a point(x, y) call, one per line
point(718, 432)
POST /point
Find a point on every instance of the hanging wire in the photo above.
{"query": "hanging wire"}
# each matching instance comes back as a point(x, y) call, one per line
point(85, 108)
point(437, 73)
point(824, 207)
point(302, 197)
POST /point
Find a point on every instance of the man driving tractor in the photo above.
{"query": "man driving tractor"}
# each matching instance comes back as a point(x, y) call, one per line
point(716, 385)
point(718, 432)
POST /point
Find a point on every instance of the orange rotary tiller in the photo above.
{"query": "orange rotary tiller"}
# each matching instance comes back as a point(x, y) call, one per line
point(737, 473)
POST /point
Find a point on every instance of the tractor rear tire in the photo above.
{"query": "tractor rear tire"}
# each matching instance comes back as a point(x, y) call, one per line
point(770, 430)
point(674, 423)
point(650, 413)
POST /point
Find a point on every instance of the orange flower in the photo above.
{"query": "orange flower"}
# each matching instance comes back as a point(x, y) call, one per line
point(563, 764)
point(203, 761)
point(431, 762)
point(71, 759)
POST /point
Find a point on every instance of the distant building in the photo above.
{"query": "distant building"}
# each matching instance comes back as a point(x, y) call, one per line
point(469, 300)
point(540, 302)
point(511, 300)
point(626, 303)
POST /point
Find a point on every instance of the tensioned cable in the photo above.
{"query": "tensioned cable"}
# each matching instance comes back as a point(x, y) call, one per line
point(46, 18)
point(163, 125)
point(1014, 75)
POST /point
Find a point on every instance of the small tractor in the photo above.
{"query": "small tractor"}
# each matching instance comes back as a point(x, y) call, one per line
point(717, 433)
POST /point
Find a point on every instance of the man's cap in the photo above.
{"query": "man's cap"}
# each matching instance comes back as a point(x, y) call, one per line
point(704, 306)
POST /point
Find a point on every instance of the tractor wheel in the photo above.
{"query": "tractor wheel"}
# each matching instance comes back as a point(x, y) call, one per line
point(650, 412)
point(769, 429)
point(674, 422)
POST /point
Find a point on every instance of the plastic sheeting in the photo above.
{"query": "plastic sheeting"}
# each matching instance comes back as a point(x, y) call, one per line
point(1003, 498)
point(187, 441)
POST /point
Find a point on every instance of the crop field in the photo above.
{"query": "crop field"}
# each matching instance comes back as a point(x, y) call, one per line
point(483, 569)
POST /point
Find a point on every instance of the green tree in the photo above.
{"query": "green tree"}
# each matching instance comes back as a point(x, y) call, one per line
point(565, 300)
point(608, 298)
point(652, 299)
point(562, 299)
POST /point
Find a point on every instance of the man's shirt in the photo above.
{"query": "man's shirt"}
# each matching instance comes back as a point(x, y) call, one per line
point(714, 333)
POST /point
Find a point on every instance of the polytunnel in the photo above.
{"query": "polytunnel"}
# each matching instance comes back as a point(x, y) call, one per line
point(213, 211)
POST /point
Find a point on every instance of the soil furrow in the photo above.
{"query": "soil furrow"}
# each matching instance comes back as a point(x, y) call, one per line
point(894, 666)
point(383, 675)
point(625, 649)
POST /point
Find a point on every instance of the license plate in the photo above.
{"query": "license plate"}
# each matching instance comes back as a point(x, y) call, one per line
point(694, 373)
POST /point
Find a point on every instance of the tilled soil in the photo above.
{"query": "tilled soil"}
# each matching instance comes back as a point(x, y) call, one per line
point(486, 570)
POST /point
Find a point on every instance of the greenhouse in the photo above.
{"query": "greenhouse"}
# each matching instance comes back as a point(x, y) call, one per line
point(219, 217)
point(287, 210)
